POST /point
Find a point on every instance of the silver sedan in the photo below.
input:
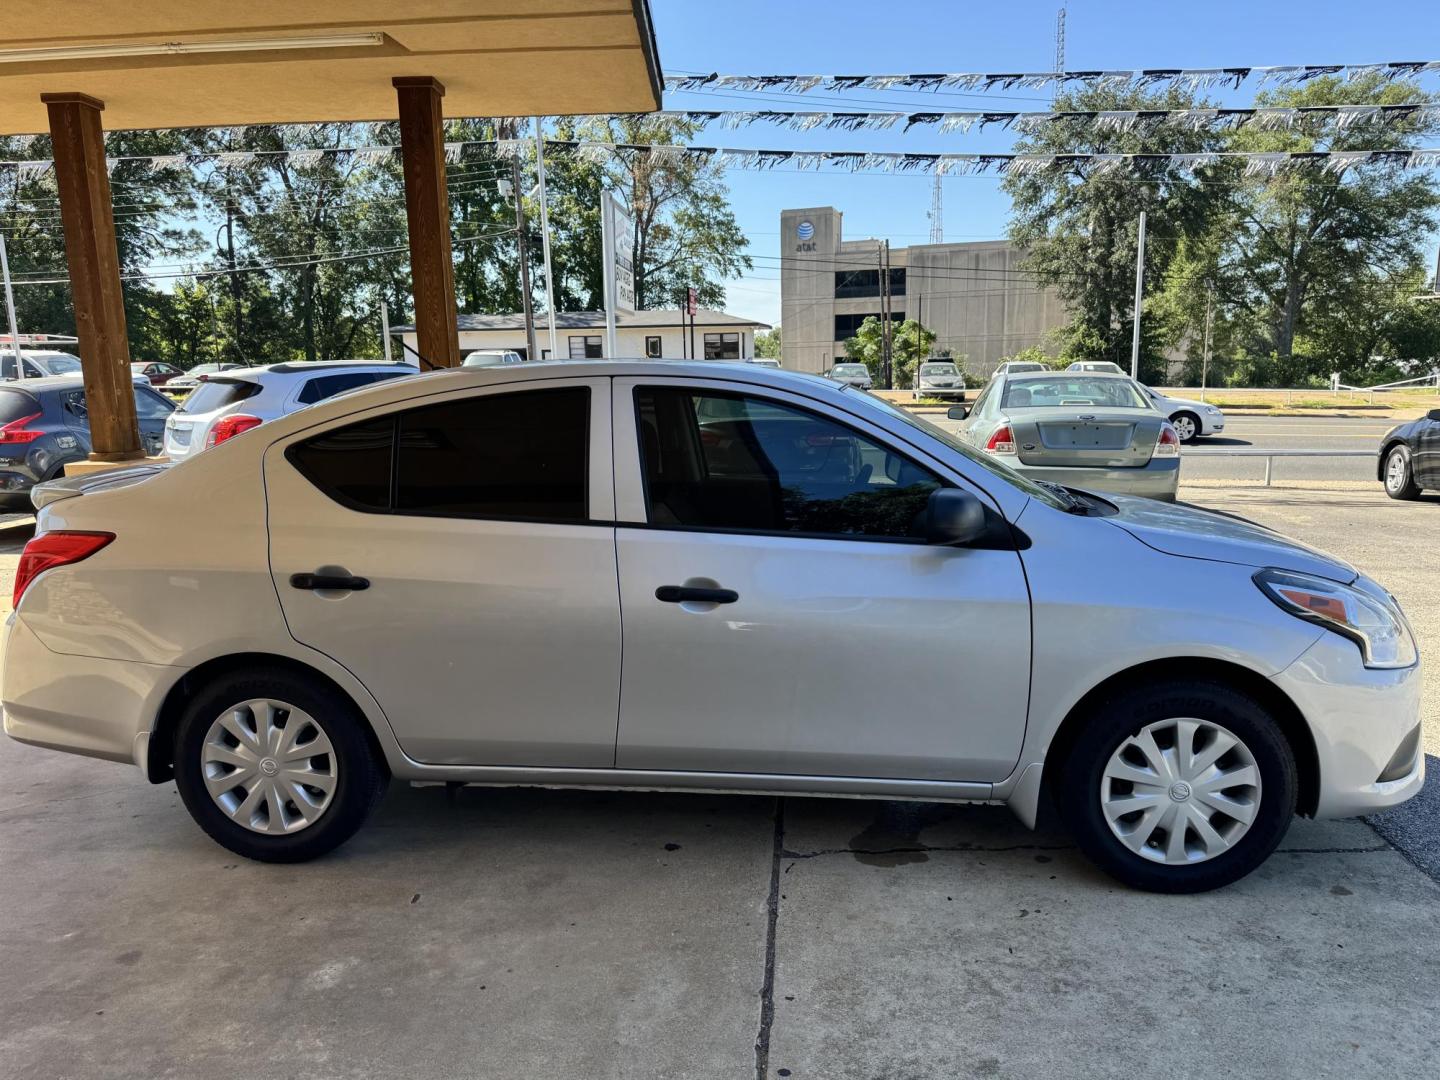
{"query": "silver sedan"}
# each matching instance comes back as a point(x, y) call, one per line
point(1076, 428)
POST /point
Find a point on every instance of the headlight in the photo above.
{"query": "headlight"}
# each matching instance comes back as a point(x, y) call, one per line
point(1212, 410)
point(1374, 624)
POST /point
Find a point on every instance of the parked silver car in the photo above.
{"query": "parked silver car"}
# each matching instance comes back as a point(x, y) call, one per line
point(856, 375)
point(1084, 429)
point(941, 379)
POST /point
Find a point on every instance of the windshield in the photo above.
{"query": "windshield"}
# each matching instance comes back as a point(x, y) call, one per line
point(969, 453)
point(850, 369)
point(938, 369)
point(1059, 391)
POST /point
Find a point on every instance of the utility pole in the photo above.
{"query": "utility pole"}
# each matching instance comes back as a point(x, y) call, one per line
point(1059, 51)
point(937, 213)
point(385, 328)
point(1209, 312)
point(10, 309)
point(883, 255)
point(531, 353)
point(545, 238)
point(1139, 298)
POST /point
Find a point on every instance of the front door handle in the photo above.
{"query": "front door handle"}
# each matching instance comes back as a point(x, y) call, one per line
point(680, 594)
point(336, 582)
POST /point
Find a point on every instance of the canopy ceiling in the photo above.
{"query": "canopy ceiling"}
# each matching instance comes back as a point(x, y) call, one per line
point(229, 62)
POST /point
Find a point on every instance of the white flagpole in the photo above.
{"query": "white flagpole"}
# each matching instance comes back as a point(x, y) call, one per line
point(545, 238)
point(1139, 299)
point(10, 309)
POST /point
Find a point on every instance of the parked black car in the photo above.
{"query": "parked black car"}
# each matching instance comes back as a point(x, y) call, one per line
point(1410, 457)
point(44, 425)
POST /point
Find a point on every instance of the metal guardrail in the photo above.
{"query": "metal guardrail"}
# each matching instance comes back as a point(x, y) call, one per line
point(1271, 455)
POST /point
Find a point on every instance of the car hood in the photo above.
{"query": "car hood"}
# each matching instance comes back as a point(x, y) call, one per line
point(1193, 533)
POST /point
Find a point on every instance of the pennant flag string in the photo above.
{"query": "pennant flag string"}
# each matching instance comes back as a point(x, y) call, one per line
point(1188, 78)
point(1255, 164)
point(1344, 118)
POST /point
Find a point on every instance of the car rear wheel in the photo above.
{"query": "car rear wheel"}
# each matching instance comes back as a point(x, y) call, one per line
point(1399, 477)
point(1180, 787)
point(1186, 425)
point(276, 766)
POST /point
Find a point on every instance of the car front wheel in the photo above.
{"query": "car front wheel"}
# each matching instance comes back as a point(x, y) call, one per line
point(1180, 787)
point(1399, 477)
point(276, 766)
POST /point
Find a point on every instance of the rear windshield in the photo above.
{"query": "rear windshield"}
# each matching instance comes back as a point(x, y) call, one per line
point(15, 405)
point(218, 393)
point(850, 369)
point(1060, 391)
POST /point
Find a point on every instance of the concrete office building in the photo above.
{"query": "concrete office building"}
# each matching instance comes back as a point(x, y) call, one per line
point(974, 297)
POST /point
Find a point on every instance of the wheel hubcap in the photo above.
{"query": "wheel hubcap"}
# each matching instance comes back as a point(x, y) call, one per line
point(1395, 471)
point(1184, 427)
point(1180, 791)
point(269, 766)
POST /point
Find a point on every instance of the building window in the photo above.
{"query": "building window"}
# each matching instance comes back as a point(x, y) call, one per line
point(652, 346)
point(722, 346)
point(847, 326)
point(586, 347)
point(862, 284)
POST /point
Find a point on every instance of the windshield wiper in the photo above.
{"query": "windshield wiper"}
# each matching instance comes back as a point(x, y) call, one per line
point(1072, 504)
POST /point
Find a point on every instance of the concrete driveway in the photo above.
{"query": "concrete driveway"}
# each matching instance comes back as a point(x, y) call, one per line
point(511, 933)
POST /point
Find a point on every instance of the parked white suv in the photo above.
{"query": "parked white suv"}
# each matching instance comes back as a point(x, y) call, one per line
point(817, 592)
point(226, 404)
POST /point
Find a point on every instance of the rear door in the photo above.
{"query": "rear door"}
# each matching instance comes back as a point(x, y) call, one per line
point(1426, 458)
point(152, 410)
point(480, 525)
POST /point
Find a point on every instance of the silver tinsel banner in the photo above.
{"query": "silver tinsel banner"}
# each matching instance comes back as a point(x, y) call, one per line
point(1255, 164)
point(1189, 78)
point(1342, 117)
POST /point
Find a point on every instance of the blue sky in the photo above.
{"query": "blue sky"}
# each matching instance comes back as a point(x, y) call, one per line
point(854, 37)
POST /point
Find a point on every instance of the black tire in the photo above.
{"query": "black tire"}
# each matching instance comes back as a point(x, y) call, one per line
point(1125, 714)
point(1406, 489)
point(1195, 435)
point(360, 773)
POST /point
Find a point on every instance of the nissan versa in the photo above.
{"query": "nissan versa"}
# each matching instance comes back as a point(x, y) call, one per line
point(815, 593)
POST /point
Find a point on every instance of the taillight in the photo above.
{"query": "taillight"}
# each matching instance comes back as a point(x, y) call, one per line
point(1001, 441)
point(16, 431)
point(1168, 444)
point(227, 427)
point(52, 549)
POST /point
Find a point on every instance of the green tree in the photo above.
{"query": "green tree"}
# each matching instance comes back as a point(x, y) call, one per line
point(767, 344)
point(1314, 267)
point(685, 231)
point(909, 344)
point(1080, 230)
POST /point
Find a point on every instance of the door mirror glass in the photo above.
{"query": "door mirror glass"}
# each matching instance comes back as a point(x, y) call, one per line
point(1433, 414)
point(957, 412)
point(954, 517)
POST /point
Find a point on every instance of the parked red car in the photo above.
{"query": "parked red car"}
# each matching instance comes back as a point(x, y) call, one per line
point(158, 374)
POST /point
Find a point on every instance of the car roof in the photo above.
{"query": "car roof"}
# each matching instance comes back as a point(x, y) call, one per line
point(1019, 376)
point(46, 383)
point(317, 367)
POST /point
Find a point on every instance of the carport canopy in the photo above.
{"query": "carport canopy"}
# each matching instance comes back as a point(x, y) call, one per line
point(205, 63)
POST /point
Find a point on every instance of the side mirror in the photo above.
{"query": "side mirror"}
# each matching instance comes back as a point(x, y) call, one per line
point(958, 412)
point(954, 517)
point(1433, 414)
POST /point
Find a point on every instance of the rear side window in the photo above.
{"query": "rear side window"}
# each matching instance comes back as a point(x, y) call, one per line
point(218, 393)
point(16, 405)
point(520, 456)
point(324, 386)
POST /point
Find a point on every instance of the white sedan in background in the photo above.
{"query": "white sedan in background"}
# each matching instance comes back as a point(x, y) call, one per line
point(1190, 419)
point(380, 586)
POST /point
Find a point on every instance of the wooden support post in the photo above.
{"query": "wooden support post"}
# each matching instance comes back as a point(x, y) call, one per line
point(427, 209)
point(88, 220)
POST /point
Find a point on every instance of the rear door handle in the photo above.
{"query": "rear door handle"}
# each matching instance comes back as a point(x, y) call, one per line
point(337, 582)
point(680, 594)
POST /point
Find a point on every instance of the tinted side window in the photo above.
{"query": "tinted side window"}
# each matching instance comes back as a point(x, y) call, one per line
point(350, 464)
point(151, 406)
point(520, 455)
point(725, 461)
point(324, 386)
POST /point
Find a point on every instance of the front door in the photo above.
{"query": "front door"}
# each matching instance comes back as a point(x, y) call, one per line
point(782, 614)
point(1426, 459)
point(488, 624)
